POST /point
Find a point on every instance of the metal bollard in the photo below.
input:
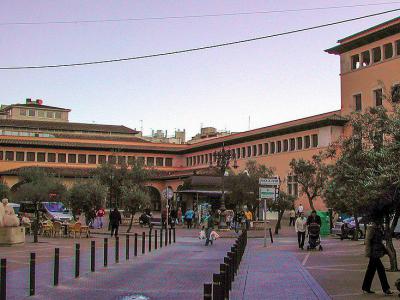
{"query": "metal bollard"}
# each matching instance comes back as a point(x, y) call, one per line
point(227, 261)
point(92, 256)
point(224, 285)
point(117, 249)
point(231, 265)
point(216, 291)
point(150, 240)
point(270, 235)
point(169, 235)
point(207, 291)
point(166, 237)
point(155, 239)
point(143, 242)
point(174, 235)
point(32, 271)
point(161, 238)
point(77, 259)
point(105, 252)
point(3, 279)
point(135, 249)
point(56, 266)
point(127, 247)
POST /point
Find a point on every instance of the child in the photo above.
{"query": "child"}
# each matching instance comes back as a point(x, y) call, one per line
point(202, 234)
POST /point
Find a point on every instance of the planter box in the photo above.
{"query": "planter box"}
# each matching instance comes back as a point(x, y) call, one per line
point(12, 236)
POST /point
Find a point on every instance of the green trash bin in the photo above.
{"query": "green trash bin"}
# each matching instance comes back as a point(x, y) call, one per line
point(325, 223)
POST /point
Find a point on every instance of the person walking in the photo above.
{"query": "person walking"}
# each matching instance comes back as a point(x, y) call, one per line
point(179, 215)
point(209, 229)
point(300, 226)
point(115, 221)
point(189, 214)
point(314, 218)
point(292, 217)
point(249, 217)
point(300, 209)
point(375, 249)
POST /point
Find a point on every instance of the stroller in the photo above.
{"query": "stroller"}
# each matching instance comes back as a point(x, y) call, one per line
point(314, 239)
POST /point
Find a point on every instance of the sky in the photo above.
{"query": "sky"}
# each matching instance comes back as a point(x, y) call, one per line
point(271, 81)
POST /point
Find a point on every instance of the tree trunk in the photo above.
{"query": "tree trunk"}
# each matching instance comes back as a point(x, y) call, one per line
point(310, 201)
point(278, 223)
point(36, 224)
point(389, 230)
point(357, 229)
point(130, 223)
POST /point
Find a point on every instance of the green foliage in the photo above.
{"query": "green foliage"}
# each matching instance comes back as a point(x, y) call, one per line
point(311, 176)
point(284, 202)
point(4, 190)
point(135, 198)
point(86, 196)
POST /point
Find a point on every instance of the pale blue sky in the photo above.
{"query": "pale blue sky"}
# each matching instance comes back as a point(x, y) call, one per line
point(272, 80)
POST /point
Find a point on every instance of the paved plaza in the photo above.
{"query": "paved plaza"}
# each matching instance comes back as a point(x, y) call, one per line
point(178, 271)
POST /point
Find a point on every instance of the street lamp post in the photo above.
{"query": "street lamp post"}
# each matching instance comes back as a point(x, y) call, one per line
point(222, 160)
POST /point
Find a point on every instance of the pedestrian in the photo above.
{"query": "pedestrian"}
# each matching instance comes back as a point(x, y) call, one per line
point(375, 249)
point(209, 229)
point(314, 218)
point(249, 217)
point(179, 215)
point(300, 209)
point(164, 217)
point(100, 216)
point(189, 214)
point(292, 216)
point(300, 226)
point(115, 221)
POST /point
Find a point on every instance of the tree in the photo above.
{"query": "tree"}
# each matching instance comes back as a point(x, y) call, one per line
point(4, 190)
point(311, 176)
point(86, 197)
point(284, 202)
point(134, 198)
point(37, 188)
point(244, 187)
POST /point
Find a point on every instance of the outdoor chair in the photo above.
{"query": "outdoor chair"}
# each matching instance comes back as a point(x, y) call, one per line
point(85, 230)
point(57, 227)
point(76, 228)
point(47, 229)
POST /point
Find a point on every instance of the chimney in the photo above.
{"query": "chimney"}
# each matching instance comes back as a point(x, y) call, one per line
point(28, 100)
point(39, 101)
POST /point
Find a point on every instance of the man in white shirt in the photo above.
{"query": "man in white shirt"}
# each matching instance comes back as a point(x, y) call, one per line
point(301, 226)
point(300, 209)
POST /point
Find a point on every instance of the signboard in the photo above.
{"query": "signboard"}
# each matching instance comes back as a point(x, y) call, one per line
point(267, 193)
point(269, 181)
point(168, 193)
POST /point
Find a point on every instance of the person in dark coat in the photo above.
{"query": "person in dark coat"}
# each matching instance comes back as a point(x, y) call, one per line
point(375, 249)
point(314, 218)
point(115, 221)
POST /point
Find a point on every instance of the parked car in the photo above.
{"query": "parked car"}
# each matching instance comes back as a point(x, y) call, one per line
point(346, 228)
point(15, 206)
point(51, 210)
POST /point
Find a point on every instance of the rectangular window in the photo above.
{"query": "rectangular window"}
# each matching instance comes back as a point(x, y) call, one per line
point(198, 159)
point(378, 97)
point(388, 50)
point(248, 151)
point(22, 112)
point(82, 158)
point(266, 148)
point(299, 143)
point(395, 94)
point(71, 158)
point(355, 62)
point(202, 159)
point(292, 145)
point(272, 144)
point(40, 113)
point(397, 47)
point(51, 157)
point(285, 145)
point(243, 152)
point(292, 185)
point(131, 160)
point(1, 155)
point(315, 140)
point(260, 149)
point(237, 152)
point(357, 102)
point(159, 161)
point(10, 155)
point(140, 160)
point(41, 157)
point(121, 160)
point(210, 157)
point(102, 159)
point(194, 160)
point(366, 58)
point(92, 159)
point(279, 147)
point(206, 158)
point(168, 162)
point(377, 54)
point(255, 150)
point(57, 114)
point(307, 142)
point(50, 115)
point(150, 161)
point(112, 159)
point(20, 156)
point(31, 112)
point(61, 157)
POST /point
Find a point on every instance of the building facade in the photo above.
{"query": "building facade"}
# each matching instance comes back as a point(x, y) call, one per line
point(370, 71)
